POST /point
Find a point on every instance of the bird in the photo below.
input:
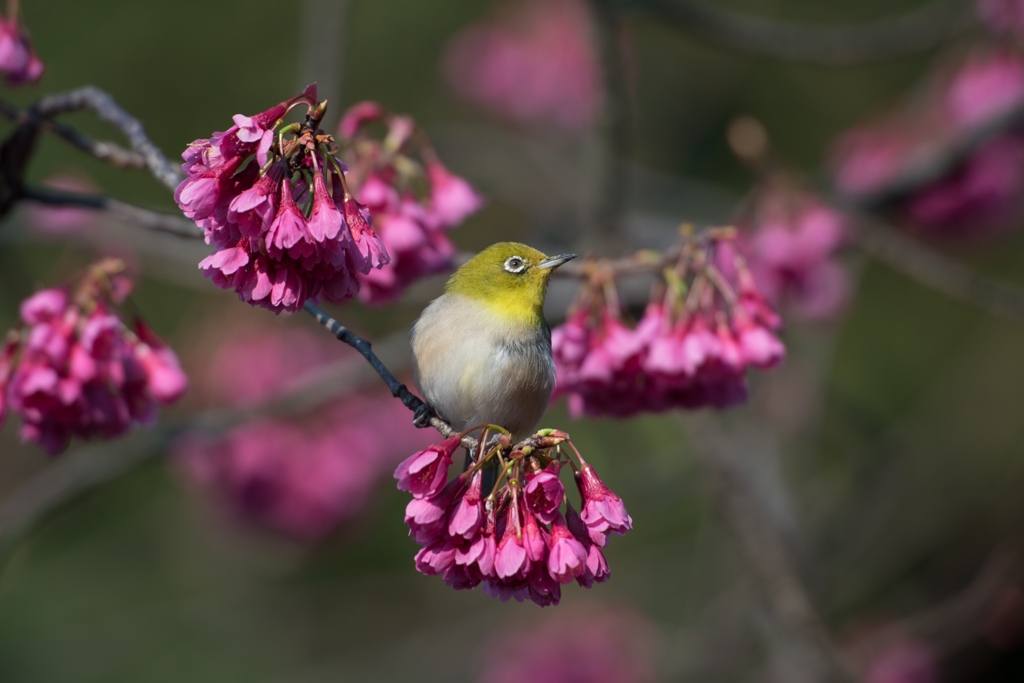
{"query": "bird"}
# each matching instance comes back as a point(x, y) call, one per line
point(481, 352)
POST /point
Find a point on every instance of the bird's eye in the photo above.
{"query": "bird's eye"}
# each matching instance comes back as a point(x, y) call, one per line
point(515, 264)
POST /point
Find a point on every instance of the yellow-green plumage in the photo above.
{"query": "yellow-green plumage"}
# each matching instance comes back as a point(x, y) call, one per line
point(481, 352)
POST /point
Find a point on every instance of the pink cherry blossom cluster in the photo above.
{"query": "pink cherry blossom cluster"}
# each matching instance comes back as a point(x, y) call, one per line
point(582, 645)
point(18, 60)
point(272, 199)
point(413, 198)
point(510, 534)
point(534, 62)
point(791, 248)
point(299, 477)
point(1002, 16)
point(75, 369)
point(981, 191)
point(701, 330)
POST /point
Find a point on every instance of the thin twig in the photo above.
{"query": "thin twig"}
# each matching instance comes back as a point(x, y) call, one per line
point(110, 152)
point(152, 220)
point(612, 190)
point(104, 106)
point(930, 268)
point(775, 565)
point(905, 34)
point(398, 390)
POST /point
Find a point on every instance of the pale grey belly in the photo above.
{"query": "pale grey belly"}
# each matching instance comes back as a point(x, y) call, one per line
point(475, 381)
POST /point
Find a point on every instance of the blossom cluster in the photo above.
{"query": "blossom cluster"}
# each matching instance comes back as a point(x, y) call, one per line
point(413, 198)
point(981, 189)
point(500, 523)
point(273, 201)
point(579, 645)
point(534, 62)
point(75, 369)
point(301, 477)
point(700, 331)
point(18, 60)
point(792, 239)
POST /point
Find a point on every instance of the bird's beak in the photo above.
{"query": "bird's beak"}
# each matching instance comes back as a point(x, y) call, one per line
point(555, 261)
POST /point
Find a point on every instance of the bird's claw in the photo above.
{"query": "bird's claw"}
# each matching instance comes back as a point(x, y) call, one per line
point(421, 417)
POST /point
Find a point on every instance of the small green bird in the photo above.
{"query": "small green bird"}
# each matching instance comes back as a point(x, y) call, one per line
point(481, 352)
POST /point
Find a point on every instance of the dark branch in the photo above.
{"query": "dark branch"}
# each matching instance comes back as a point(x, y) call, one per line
point(423, 413)
point(906, 34)
point(110, 152)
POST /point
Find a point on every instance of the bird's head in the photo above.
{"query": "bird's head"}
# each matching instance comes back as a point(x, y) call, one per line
point(510, 278)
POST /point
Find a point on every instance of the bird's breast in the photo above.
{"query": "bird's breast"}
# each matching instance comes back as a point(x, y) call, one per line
point(474, 367)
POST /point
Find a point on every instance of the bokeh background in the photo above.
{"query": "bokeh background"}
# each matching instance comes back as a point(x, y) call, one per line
point(887, 449)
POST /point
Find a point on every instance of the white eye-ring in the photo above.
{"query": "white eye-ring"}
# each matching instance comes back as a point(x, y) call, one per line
point(515, 264)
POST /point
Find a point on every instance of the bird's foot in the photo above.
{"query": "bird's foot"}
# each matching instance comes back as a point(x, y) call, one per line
point(421, 418)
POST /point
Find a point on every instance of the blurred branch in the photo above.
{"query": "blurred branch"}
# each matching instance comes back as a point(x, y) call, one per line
point(93, 465)
point(905, 34)
point(774, 564)
point(321, 46)
point(152, 220)
point(612, 189)
point(930, 268)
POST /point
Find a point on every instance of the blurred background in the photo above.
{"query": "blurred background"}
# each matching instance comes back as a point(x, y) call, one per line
point(883, 459)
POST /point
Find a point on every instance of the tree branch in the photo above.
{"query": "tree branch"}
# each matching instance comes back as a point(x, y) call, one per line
point(152, 220)
point(915, 31)
point(110, 152)
point(775, 566)
point(930, 268)
point(108, 111)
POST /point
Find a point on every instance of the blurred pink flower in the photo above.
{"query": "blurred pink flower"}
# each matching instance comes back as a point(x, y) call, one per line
point(74, 369)
point(582, 646)
point(677, 356)
point(792, 250)
point(63, 220)
point(303, 480)
point(910, 661)
point(982, 194)
point(1002, 16)
point(987, 86)
point(299, 477)
point(18, 60)
point(412, 203)
point(534, 62)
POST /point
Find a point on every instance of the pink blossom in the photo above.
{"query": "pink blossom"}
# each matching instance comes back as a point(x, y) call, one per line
point(908, 662)
point(544, 494)
point(64, 220)
point(468, 515)
point(1002, 16)
point(982, 193)
point(986, 87)
point(358, 115)
point(603, 511)
point(18, 60)
point(425, 472)
point(299, 478)
point(567, 558)
point(510, 559)
point(452, 199)
point(269, 251)
point(590, 645)
point(83, 373)
point(534, 63)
